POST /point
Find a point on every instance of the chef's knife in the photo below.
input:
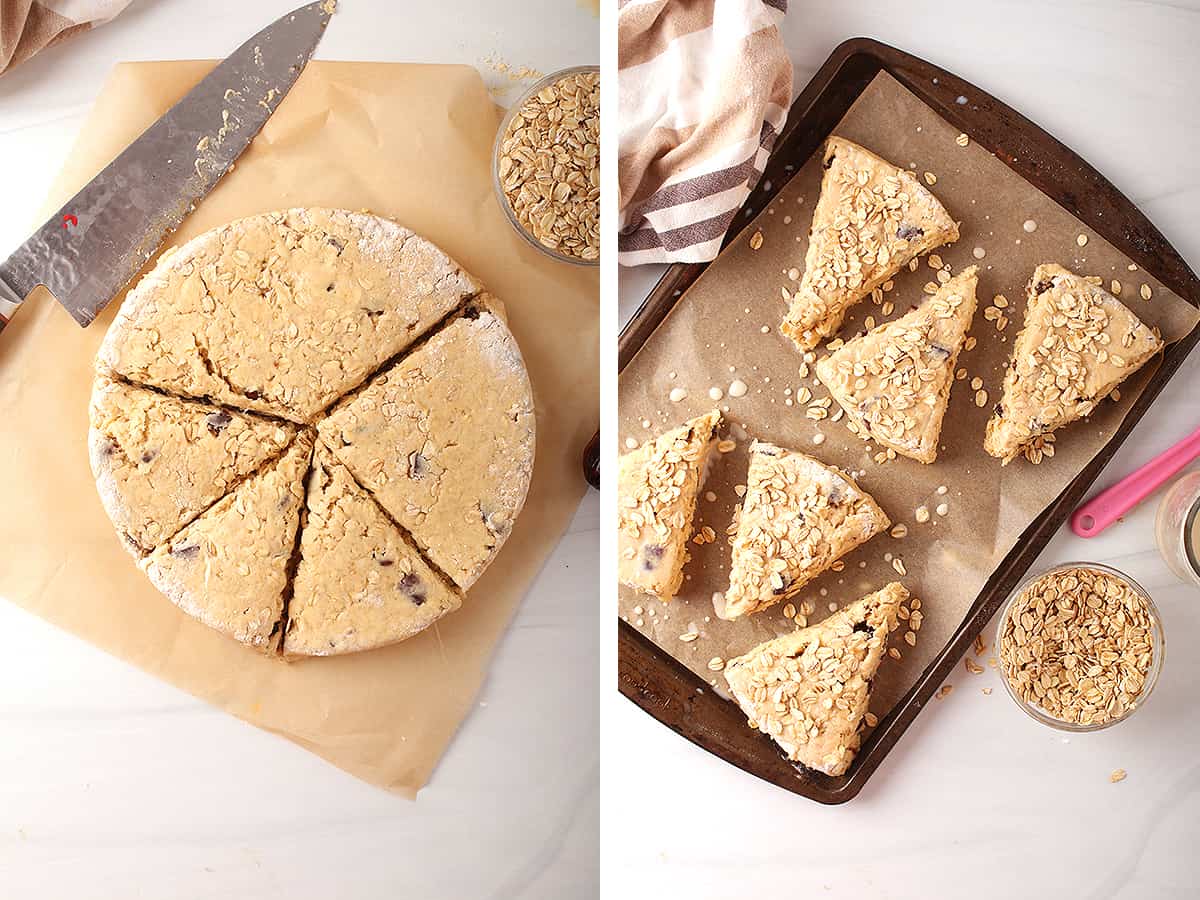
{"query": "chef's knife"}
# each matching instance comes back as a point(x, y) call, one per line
point(103, 236)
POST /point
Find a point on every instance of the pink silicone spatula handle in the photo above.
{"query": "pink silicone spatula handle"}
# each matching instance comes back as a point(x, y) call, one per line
point(1111, 503)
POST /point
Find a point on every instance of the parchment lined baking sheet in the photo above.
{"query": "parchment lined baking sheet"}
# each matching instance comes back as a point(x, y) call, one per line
point(406, 141)
point(725, 328)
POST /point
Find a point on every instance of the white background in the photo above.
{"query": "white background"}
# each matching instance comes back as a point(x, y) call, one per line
point(977, 801)
point(113, 785)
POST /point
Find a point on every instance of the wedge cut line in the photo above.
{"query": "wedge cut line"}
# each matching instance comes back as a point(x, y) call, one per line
point(161, 461)
point(447, 459)
point(333, 291)
point(894, 381)
point(872, 218)
point(359, 583)
point(229, 566)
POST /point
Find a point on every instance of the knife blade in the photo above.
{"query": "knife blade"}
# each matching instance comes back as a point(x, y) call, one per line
point(103, 236)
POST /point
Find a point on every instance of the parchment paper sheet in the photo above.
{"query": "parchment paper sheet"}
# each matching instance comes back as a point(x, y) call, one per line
point(718, 324)
point(409, 142)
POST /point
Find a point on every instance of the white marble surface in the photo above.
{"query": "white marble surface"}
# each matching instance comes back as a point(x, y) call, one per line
point(114, 785)
point(977, 800)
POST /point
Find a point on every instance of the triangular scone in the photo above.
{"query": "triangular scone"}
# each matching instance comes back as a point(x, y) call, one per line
point(360, 583)
point(809, 690)
point(444, 440)
point(159, 461)
point(656, 490)
point(229, 567)
point(799, 517)
point(894, 381)
point(1077, 344)
point(871, 219)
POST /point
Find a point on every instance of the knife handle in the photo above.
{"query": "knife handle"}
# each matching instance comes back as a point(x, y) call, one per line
point(591, 462)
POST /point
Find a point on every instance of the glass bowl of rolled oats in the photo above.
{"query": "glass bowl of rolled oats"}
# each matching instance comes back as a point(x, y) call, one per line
point(546, 165)
point(1080, 646)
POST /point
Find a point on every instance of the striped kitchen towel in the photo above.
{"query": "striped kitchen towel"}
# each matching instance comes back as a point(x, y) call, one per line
point(28, 26)
point(704, 87)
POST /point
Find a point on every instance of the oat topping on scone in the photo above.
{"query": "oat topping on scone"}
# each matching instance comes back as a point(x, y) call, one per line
point(871, 219)
point(1077, 344)
point(894, 382)
point(798, 518)
point(809, 690)
point(656, 496)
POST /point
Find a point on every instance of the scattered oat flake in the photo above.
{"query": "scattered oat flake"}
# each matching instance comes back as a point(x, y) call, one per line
point(980, 645)
point(942, 509)
point(921, 514)
point(1115, 287)
point(910, 638)
point(677, 394)
point(987, 692)
point(981, 398)
point(716, 664)
point(1082, 240)
point(726, 446)
point(944, 691)
point(930, 179)
point(973, 667)
point(1117, 775)
point(1146, 292)
point(688, 636)
point(962, 140)
point(893, 653)
point(738, 388)
point(1029, 225)
point(898, 565)
point(715, 393)
point(979, 253)
point(899, 530)
point(756, 240)
point(871, 719)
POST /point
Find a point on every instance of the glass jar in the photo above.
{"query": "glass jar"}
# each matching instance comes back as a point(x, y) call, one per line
point(498, 187)
point(1176, 528)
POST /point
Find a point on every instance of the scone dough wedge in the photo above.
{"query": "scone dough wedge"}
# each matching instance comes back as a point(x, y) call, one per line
point(894, 381)
point(444, 440)
point(360, 584)
point(229, 568)
point(809, 690)
point(160, 461)
point(1077, 344)
point(799, 516)
point(282, 312)
point(657, 486)
point(871, 219)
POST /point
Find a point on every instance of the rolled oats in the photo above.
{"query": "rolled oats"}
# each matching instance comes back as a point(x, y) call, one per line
point(1078, 643)
point(549, 165)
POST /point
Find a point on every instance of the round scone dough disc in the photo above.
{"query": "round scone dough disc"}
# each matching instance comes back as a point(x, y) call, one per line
point(444, 439)
point(282, 312)
point(159, 461)
point(360, 584)
point(229, 567)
